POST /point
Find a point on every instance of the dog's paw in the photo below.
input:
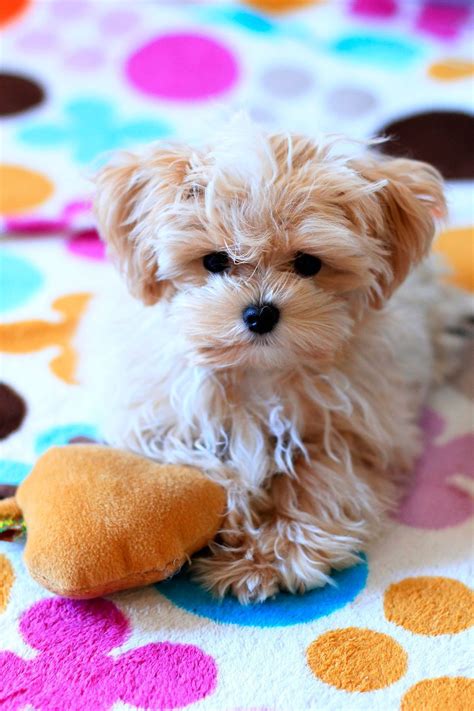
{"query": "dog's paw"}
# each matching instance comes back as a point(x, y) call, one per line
point(238, 574)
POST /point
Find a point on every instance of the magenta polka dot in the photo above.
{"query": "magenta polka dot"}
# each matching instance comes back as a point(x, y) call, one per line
point(85, 58)
point(74, 668)
point(37, 41)
point(182, 67)
point(87, 244)
point(117, 22)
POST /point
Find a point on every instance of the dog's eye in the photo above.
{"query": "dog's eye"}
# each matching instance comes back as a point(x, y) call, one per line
point(216, 262)
point(306, 265)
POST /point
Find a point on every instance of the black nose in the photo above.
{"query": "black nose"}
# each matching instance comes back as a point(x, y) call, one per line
point(261, 318)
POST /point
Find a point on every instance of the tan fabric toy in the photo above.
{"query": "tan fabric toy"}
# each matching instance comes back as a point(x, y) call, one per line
point(99, 520)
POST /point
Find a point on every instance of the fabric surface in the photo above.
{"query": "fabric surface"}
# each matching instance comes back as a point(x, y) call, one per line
point(81, 77)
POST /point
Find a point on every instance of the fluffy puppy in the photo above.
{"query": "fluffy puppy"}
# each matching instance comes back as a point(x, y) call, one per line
point(278, 341)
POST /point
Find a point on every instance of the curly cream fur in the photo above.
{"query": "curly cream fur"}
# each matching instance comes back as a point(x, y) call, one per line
point(310, 427)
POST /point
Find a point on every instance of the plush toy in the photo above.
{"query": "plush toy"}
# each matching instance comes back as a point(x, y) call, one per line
point(99, 520)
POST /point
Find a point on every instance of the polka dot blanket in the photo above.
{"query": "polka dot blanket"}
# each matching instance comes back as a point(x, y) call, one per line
point(80, 77)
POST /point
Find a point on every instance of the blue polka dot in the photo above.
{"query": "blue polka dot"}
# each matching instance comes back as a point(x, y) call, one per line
point(63, 435)
point(283, 610)
point(19, 280)
point(245, 18)
point(384, 51)
point(12, 472)
point(91, 126)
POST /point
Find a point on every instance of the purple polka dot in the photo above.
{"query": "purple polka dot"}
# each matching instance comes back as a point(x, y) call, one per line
point(350, 102)
point(69, 9)
point(85, 58)
point(116, 22)
point(182, 67)
point(283, 81)
point(260, 114)
point(87, 244)
point(37, 41)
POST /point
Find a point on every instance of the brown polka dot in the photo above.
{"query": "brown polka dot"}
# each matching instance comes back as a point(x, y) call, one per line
point(438, 137)
point(7, 490)
point(355, 659)
point(7, 577)
point(446, 692)
point(430, 605)
point(18, 94)
point(12, 410)
point(82, 440)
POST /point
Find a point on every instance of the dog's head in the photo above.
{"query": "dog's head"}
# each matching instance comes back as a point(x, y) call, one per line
point(268, 248)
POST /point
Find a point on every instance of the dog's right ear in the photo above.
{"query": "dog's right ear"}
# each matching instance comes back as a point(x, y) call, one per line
point(130, 192)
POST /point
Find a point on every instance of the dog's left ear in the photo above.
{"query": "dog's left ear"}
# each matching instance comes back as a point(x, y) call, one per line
point(410, 200)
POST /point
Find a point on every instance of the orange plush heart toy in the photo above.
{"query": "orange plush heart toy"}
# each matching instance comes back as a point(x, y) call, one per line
point(99, 520)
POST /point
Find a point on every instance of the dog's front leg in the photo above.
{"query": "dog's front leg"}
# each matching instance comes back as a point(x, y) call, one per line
point(292, 534)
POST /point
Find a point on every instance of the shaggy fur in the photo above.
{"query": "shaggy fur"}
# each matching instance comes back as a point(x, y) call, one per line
point(310, 427)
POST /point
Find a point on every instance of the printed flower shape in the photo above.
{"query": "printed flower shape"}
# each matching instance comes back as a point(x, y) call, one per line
point(91, 126)
point(435, 500)
point(74, 668)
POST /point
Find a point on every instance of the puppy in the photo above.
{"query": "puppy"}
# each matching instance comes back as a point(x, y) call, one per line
point(281, 340)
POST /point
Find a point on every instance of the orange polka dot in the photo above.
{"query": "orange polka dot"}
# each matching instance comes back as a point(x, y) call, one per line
point(446, 692)
point(451, 69)
point(429, 605)
point(10, 9)
point(21, 189)
point(31, 336)
point(355, 659)
point(281, 5)
point(457, 247)
point(7, 577)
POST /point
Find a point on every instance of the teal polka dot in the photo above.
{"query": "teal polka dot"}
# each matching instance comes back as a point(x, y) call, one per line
point(251, 21)
point(63, 435)
point(282, 610)
point(19, 280)
point(386, 52)
point(13, 472)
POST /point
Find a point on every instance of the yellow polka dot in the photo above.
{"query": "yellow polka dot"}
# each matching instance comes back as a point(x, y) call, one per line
point(355, 659)
point(430, 606)
point(451, 69)
point(447, 692)
point(281, 5)
point(457, 247)
point(7, 577)
point(21, 189)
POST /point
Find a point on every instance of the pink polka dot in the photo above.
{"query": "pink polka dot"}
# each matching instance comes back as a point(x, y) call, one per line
point(37, 41)
point(374, 8)
point(182, 67)
point(432, 501)
point(444, 20)
point(87, 244)
point(116, 22)
point(85, 58)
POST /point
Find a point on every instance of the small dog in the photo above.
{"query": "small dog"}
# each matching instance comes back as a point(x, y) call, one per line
point(286, 345)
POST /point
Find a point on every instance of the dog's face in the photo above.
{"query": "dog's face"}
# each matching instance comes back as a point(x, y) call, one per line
point(268, 249)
